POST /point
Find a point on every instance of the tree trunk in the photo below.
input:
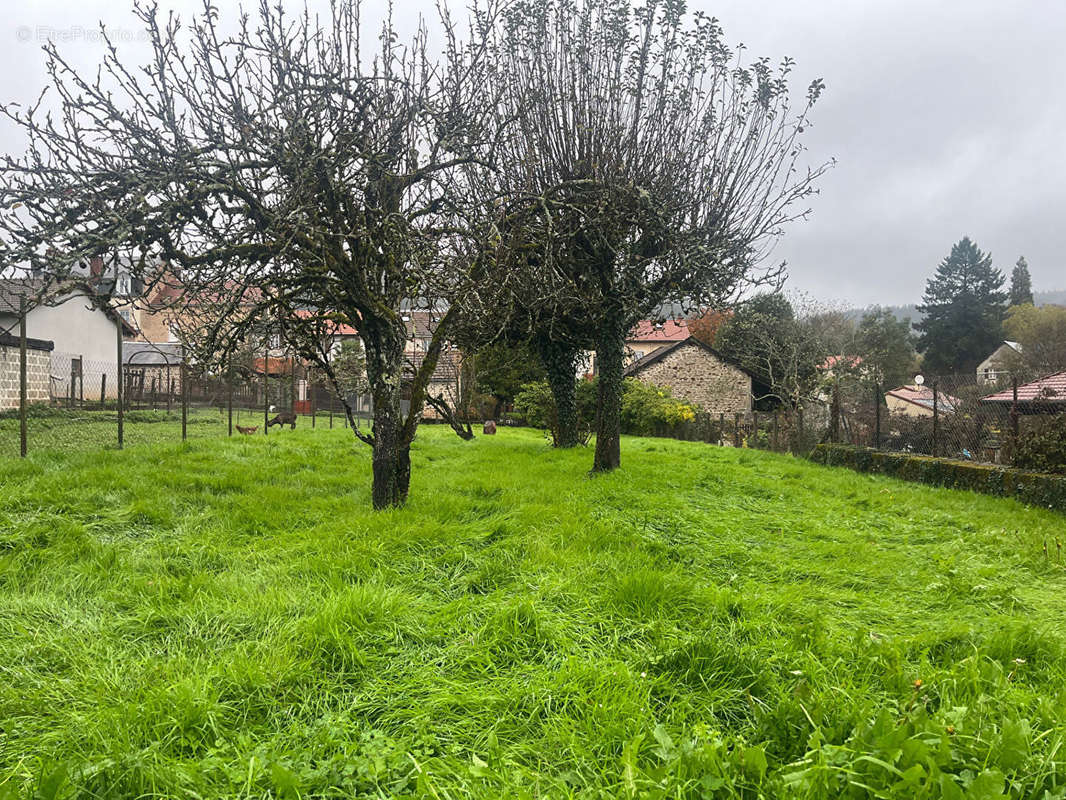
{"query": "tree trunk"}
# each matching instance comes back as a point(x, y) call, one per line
point(560, 364)
point(391, 459)
point(610, 362)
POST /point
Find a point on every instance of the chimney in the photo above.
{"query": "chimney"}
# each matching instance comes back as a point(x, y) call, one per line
point(96, 268)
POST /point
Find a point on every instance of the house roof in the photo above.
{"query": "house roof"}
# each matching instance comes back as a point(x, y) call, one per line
point(7, 340)
point(13, 289)
point(151, 354)
point(671, 330)
point(276, 365)
point(661, 352)
point(923, 396)
point(1050, 389)
point(848, 362)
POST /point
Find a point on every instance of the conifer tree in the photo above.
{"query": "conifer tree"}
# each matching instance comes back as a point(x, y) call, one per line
point(964, 305)
point(1021, 286)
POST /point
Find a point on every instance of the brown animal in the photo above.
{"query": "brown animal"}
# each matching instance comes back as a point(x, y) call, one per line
point(284, 418)
point(490, 428)
point(247, 431)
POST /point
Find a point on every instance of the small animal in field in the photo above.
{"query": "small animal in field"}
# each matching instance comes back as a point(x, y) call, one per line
point(284, 418)
point(247, 431)
point(490, 428)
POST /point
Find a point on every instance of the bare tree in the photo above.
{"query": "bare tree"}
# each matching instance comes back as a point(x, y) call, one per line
point(648, 166)
point(279, 173)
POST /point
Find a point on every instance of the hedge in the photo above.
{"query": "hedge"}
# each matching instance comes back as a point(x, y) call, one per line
point(1035, 488)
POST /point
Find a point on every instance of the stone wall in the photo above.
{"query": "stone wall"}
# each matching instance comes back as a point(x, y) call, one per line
point(38, 369)
point(695, 374)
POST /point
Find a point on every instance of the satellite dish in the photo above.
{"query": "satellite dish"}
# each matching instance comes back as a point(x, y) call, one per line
point(919, 380)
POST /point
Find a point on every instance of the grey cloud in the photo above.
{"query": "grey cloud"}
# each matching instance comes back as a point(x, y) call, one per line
point(946, 119)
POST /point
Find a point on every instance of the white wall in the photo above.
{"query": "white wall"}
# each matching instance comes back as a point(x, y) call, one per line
point(76, 329)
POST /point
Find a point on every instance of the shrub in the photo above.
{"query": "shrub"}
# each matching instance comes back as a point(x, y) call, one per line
point(643, 406)
point(534, 405)
point(1034, 488)
point(1042, 446)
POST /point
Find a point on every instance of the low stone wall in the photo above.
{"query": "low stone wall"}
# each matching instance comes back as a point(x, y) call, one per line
point(1034, 488)
point(38, 370)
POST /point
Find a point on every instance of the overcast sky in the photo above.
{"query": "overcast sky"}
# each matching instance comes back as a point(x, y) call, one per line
point(946, 119)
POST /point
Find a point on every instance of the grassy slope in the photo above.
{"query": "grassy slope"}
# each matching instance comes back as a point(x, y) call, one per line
point(228, 619)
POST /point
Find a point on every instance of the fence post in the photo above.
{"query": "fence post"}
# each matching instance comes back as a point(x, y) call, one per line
point(103, 389)
point(834, 414)
point(311, 397)
point(184, 393)
point(755, 428)
point(799, 427)
point(775, 442)
point(736, 430)
point(877, 416)
point(23, 376)
point(1014, 414)
point(120, 390)
point(292, 382)
point(721, 429)
point(936, 416)
point(266, 388)
point(229, 394)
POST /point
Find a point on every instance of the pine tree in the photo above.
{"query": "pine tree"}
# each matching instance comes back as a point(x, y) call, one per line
point(964, 305)
point(1021, 287)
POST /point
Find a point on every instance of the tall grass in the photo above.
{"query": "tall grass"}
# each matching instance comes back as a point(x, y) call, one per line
point(227, 618)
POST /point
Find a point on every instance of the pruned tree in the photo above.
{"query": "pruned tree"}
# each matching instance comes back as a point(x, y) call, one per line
point(648, 165)
point(279, 173)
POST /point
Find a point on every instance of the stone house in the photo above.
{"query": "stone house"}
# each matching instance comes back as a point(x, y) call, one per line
point(38, 371)
point(998, 365)
point(699, 374)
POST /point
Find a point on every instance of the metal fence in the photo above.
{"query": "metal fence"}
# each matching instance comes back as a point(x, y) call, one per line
point(61, 402)
point(946, 416)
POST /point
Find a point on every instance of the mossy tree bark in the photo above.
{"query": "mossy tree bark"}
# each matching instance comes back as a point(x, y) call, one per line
point(610, 362)
point(560, 364)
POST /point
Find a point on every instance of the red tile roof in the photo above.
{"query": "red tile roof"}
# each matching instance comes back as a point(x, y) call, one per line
point(672, 330)
point(923, 396)
point(1051, 389)
point(848, 362)
point(277, 365)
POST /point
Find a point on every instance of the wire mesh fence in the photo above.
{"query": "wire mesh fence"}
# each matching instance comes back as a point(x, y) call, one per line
point(63, 402)
point(963, 417)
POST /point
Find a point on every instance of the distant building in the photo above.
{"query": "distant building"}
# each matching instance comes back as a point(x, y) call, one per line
point(917, 401)
point(699, 374)
point(82, 330)
point(997, 366)
point(645, 337)
point(1044, 396)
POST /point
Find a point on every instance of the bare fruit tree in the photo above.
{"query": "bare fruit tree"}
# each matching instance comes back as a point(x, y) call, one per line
point(649, 166)
point(279, 173)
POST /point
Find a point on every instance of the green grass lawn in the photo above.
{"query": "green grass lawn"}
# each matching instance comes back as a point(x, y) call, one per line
point(227, 618)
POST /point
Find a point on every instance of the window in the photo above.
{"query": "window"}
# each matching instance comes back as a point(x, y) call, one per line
point(122, 285)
